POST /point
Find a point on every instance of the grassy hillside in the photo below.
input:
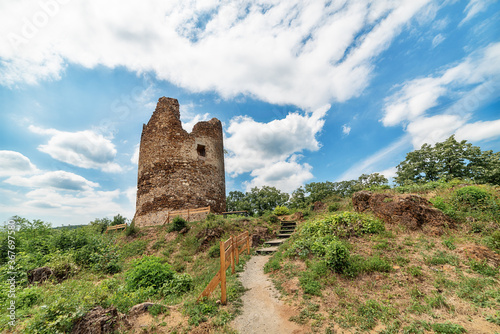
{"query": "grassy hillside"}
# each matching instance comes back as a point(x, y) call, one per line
point(350, 272)
point(343, 271)
point(115, 270)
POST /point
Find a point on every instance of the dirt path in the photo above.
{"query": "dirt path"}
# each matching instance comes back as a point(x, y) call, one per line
point(263, 312)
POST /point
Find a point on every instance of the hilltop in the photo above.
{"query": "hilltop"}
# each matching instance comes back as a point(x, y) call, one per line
point(342, 271)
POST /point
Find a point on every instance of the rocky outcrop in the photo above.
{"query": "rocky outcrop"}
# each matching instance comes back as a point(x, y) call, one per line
point(98, 321)
point(412, 211)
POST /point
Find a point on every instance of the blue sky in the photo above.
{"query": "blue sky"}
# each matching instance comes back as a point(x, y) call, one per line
point(306, 90)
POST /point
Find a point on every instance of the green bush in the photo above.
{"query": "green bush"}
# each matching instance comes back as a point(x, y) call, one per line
point(149, 271)
point(333, 207)
point(337, 256)
point(178, 224)
point(180, 284)
point(214, 251)
point(448, 328)
point(472, 196)
point(493, 241)
point(273, 219)
point(131, 229)
point(281, 210)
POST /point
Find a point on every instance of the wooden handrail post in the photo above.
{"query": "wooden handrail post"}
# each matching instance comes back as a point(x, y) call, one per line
point(222, 273)
point(188, 214)
point(248, 243)
point(234, 247)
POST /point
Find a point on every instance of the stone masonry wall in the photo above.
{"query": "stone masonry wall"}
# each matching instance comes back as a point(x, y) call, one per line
point(177, 169)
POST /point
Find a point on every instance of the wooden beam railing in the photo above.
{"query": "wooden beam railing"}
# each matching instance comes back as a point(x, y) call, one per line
point(229, 256)
point(187, 212)
point(244, 213)
point(116, 227)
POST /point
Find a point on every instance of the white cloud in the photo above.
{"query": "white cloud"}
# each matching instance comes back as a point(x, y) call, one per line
point(100, 202)
point(433, 129)
point(56, 179)
point(474, 7)
point(284, 175)
point(135, 156)
point(479, 131)
point(438, 39)
point(286, 52)
point(85, 149)
point(418, 96)
point(14, 163)
point(346, 129)
point(268, 150)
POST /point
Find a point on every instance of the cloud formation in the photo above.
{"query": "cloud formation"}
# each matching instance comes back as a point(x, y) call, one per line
point(269, 150)
point(86, 149)
point(286, 52)
point(56, 180)
point(14, 163)
point(418, 104)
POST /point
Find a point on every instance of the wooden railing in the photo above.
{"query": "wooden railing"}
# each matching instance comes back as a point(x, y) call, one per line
point(229, 255)
point(115, 227)
point(187, 212)
point(244, 213)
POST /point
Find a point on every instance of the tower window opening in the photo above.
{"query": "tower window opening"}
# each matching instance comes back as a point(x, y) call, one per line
point(201, 150)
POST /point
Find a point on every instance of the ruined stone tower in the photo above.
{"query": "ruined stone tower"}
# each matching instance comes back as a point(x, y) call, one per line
point(177, 169)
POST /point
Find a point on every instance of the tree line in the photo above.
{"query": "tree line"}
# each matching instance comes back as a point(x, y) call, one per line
point(444, 161)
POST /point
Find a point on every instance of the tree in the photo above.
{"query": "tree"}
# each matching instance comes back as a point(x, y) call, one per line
point(266, 199)
point(237, 201)
point(449, 160)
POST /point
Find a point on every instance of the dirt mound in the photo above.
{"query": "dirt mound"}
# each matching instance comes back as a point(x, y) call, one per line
point(480, 253)
point(208, 235)
point(413, 211)
point(142, 308)
point(98, 321)
point(260, 235)
point(39, 275)
point(319, 206)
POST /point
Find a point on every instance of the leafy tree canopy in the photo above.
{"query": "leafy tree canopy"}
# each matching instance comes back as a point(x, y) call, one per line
point(449, 160)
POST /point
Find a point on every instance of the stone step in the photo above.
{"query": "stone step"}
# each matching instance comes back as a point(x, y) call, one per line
point(267, 250)
point(274, 242)
point(288, 224)
point(284, 235)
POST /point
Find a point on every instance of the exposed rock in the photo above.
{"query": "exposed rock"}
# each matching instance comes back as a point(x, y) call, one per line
point(298, 216)
point(260, 235)
point(184, 230)
point(208, 235)
point(412, 211)
point(141, 308)
point(39, 275)
point(319, 206)
point(98, 321)
point(480, 253)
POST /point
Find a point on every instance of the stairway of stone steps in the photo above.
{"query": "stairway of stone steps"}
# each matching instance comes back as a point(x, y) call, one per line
point(286, 230)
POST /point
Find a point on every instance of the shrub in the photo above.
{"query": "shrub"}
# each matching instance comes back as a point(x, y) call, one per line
point(214, 251)
point(281, 210)
point(273, 219)
point(178, 285)
point(333, 207)
point(148, 272)
point(178, 224)
point(131, 229)
point(448, 328)
point(472, 196)
point(493, 241)
point(337, 256)
point(309, 283)
point(483, 268)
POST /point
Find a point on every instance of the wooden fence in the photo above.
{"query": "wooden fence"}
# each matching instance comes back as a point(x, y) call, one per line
point(115, 227)
point(229, 255)
point(187, 212)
